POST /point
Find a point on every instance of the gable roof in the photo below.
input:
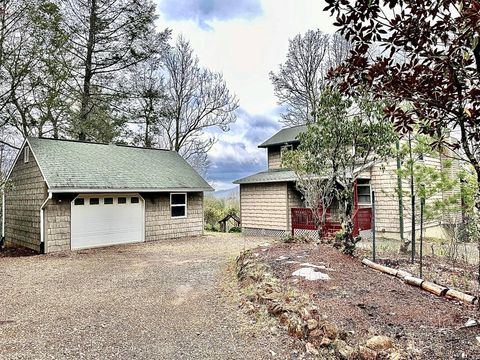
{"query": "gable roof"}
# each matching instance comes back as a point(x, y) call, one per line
point(269, 176)
point(231, 216)
point(81, 166)
point(285, 136)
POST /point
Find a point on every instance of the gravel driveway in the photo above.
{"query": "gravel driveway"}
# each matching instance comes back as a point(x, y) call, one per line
point(159, 300)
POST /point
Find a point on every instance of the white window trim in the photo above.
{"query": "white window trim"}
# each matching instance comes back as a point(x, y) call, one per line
point(358, 198)
point(178, 205)
point(26, 154)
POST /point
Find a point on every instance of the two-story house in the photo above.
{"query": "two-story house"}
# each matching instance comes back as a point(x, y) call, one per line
point(267, 198)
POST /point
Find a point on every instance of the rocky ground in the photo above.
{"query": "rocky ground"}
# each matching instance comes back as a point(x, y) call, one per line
point(159, 300)
point(352, 312)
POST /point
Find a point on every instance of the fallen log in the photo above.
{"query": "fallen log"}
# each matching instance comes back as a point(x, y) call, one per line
point(434, 288)
point(410, 280)
point(379, 267)
point(423, 284)
point(458, 295)
point(403, 274)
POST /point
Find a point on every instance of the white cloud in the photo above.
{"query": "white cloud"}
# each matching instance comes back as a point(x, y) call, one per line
point(245, 49)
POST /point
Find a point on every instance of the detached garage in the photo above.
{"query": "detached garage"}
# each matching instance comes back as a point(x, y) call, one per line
point(63, 195)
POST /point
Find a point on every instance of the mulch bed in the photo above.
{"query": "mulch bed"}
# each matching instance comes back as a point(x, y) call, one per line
point(366, 302)
point(16, 252)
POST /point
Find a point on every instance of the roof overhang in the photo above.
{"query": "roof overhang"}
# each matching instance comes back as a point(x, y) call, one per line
point(104, 191)
point(279, 144)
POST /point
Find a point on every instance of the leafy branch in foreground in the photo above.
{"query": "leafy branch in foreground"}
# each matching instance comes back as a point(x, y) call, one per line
point(349, 137)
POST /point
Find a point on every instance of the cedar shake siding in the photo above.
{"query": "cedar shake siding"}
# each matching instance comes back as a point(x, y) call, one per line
point(57, 223)
point(159, 225)
point(264, 206)
point(24, 195)
point(49, 174)
point(384, 183)
point(274, 158)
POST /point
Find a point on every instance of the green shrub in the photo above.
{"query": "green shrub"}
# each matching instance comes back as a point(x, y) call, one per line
point(235, 229)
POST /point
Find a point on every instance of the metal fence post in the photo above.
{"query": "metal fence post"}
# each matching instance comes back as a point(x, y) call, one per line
point(422, 206)
point(373, 225)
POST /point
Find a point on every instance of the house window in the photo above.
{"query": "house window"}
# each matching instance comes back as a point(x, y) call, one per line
point(108, 201)
point(364, 192)
point(94, 201)
point(178, 205)
point(79, 201)
point(122, 200)
point(26, 154)
point(134, 200)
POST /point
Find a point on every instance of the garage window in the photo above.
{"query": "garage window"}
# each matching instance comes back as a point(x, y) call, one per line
point(134, 200)
point(178, 205)
point(122, 200)
point(79, 201)
point(108, 201)
point(94, 201)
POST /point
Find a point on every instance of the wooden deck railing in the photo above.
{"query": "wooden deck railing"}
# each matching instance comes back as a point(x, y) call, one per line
point(302, 218)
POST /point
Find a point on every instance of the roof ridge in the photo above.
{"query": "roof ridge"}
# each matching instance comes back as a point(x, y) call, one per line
point(95, 143)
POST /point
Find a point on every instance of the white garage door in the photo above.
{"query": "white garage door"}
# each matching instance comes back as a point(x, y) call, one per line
point(106, 220)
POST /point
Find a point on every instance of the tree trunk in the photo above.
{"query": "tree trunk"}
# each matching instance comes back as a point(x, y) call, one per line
point(86, 106)
point(348, 240)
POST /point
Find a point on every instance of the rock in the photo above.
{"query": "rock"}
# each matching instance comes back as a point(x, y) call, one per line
point(311, 349)
point(295, 328)
point(364, 353)
point(342, 350)
point(316, 333)
point(284, 319)
point(396, 356)
point(330, 331)
point(305, 314)
point(311, 274)
point(275, 309)
point(312, 324)
point(325, 342)
point(378, 343)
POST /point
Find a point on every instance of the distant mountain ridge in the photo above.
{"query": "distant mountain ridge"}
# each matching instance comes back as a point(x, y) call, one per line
point(233, 193)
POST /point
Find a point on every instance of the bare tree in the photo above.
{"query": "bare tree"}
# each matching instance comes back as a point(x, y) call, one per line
point(300, 80)
point(196, 99)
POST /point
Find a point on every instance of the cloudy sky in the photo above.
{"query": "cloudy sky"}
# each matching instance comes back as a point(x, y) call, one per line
point(244, 40)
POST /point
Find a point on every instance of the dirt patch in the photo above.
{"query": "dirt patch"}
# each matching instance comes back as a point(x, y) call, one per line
point(362, 303)
point(16, 252)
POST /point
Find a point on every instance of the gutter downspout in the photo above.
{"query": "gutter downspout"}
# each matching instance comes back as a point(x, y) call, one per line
point(42, 223)
point(2, 240)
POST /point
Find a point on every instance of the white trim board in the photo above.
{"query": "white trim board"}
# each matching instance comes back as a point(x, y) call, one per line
point(120, 191)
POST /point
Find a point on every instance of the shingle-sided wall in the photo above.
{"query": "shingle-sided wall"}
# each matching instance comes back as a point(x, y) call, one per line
point(264, 206)
point(274, 158)
point(24, 196)
point(159, 224)
point(57, 223)
point(384, 182)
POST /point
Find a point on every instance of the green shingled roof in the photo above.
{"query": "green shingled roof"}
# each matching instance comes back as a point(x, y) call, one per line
point(276, 175)
point(285, 136)
point(72, 165)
